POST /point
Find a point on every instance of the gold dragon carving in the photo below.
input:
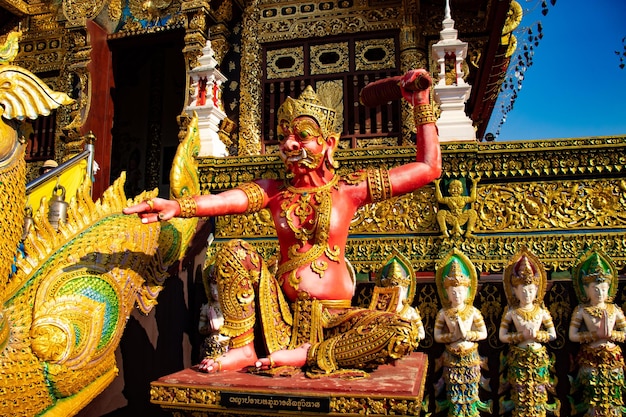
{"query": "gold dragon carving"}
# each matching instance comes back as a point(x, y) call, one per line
point(67, 293)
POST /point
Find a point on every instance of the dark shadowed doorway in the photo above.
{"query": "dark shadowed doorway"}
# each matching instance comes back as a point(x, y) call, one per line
point(149, 93)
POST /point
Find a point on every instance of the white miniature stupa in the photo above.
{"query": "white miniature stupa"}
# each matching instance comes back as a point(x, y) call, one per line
point(205, 98)
point(451, 92)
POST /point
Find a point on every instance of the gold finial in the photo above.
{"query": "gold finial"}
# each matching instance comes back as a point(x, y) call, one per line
point(455, 277)
point(524, 273)
point(595, 272)
point(309, 104)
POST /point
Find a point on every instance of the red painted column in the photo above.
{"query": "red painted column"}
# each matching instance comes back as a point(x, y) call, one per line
point(100, 117)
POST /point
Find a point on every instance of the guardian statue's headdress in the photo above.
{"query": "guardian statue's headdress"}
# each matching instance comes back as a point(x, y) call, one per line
point(454, 270)
point(309, 104)
point(395, 275)
point(594, 271)
point(524, 268)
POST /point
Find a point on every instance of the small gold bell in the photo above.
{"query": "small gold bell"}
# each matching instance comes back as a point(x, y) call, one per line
point(57, 212)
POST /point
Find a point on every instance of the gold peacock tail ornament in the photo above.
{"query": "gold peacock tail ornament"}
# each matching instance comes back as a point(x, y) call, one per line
point(67, 294)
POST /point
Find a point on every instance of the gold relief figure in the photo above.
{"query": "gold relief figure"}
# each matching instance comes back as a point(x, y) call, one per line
point(526, 325)
point(304, 307)
point(598, 325)
point(457, 214)
point(459, 325)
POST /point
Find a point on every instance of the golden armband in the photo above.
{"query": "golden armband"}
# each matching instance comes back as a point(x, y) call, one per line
point(424, 114)
point(379, 184)
point(188, 206)
point(255, 194)
point(542, 336)
point(618, 336)
point(516, 338)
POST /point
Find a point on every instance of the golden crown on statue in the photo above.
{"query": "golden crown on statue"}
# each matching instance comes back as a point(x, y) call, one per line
point(309, 104)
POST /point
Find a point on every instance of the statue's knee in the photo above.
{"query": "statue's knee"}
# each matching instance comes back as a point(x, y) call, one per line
point(239, 254)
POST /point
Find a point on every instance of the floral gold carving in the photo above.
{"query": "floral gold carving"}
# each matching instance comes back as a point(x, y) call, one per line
point(78, 11)
point(363, 47)
point(251, 75)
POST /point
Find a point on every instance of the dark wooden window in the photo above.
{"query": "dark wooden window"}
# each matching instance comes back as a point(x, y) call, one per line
point(355, 58)
point(39, 135)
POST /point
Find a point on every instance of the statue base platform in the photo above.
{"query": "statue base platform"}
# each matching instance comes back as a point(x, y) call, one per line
point(394, 389)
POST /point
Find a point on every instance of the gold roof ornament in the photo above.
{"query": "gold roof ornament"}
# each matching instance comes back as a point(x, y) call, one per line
point(10, 47)
point(309, 104)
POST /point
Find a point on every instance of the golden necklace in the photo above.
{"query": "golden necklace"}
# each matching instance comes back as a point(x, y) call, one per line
point(312, 208)
point(311, 190)
point(528, 315)
point(598, 312)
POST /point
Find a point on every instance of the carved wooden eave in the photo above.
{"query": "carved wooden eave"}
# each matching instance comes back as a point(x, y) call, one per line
point(556, 197)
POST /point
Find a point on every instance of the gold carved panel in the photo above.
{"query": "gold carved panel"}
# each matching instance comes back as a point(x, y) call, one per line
point(43, 53)
point(375, 54)
point(539, 206)
point(301, 20)
point(527, 207)
point(330, 58)
point(285, 63)
point(378, 141)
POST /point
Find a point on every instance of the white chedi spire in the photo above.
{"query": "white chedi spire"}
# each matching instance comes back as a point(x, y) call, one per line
point(451, 92)
point(205, 98)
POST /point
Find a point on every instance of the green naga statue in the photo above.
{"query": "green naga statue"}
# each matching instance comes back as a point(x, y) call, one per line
point(66, 293)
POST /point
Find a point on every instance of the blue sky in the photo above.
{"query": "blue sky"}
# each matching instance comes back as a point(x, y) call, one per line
point(575, 87)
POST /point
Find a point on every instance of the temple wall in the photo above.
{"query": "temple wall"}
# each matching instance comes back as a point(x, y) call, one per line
point(558, 198)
